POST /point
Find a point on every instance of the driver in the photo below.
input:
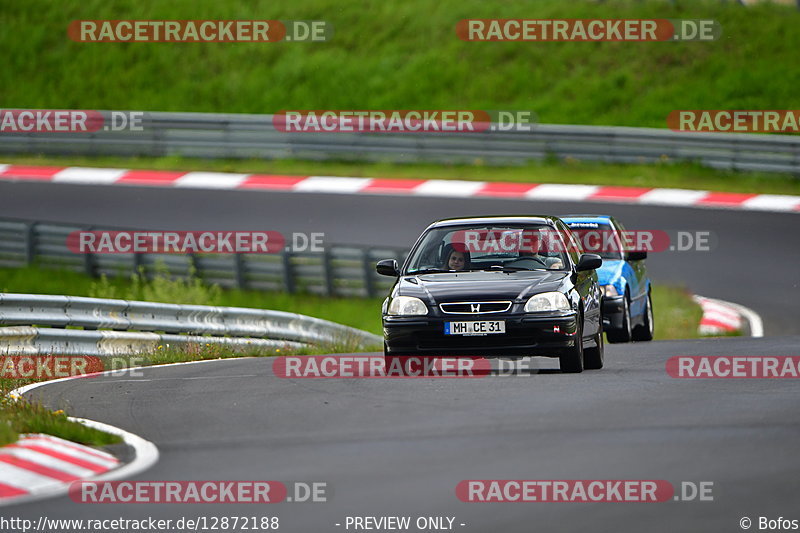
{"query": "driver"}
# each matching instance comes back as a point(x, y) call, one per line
point(454, 259)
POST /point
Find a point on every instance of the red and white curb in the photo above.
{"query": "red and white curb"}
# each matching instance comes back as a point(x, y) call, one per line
point(42, 463)
point(410, 187)
point(43, 466)
point(720, 317)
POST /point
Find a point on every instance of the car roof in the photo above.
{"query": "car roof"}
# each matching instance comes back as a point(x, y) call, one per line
point(503, 219)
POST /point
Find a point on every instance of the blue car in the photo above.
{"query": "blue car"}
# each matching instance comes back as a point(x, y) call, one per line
point(627, 304)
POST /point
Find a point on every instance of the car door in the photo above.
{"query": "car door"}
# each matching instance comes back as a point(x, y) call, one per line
point(585, 284)
point(635, 274)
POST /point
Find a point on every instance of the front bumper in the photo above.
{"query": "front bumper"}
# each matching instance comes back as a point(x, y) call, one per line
point(613, 312)
point(526, 334)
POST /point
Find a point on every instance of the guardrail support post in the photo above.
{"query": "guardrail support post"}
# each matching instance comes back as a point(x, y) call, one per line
point(327, 267)
point(241, 280)
point(30, 243)
point(369, 287)
point(288, 274)
point(88, 263)
point(137, 263)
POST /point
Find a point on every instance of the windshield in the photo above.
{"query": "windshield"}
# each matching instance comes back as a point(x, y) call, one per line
point(489, 247)
point(598, 238)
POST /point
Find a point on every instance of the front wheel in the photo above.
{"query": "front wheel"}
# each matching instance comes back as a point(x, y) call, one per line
point(645, 331)
point(571, 360)
point(624, 334)
point(593, 357)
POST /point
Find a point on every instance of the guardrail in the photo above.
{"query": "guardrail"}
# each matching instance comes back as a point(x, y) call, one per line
point(27, 340)
point(338, 271)
point(210, 135)
point(112, 327)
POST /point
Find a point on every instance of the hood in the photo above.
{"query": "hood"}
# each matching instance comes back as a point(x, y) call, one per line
point(468, 286)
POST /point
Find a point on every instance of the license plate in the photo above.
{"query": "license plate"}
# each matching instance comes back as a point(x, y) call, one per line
point(478, 327)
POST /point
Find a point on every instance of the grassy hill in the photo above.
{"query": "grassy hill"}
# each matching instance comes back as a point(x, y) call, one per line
point(402, 55)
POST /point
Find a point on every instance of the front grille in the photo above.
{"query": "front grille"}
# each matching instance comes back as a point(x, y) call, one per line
point(474, 308)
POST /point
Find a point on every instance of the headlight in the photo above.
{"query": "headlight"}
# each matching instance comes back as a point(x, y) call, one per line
point(610, 291)
point(407, 306)
point(547, 301)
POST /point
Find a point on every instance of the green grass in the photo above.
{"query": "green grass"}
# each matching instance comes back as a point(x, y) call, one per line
point(677, 175)
point(34, 418)
point(403, 55)
point(18, 417)
point(675, 314)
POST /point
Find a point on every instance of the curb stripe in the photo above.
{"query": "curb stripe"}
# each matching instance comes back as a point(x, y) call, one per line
point(7, 491)
point(672, 197)
point(150, 177)
point(548, 191)
point(92, 176)
point(38, 468)
point(25, 480)
point(85, 463)
point(621, 193)
point(45, 460)
point(210, 180)
point(24, 171)
point(265, 181)
point(388, 185)
point(76, 451)
point(418, 187)
point(726, 198)
point(331, 184)
point(457, 188)
point(721, 316)
point(506, 189)
point(77, 447)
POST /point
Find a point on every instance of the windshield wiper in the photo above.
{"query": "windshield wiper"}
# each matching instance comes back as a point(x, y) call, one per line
point(495, 268)
point(429, 271)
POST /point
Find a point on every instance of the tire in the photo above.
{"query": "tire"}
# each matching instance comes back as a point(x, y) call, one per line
point(624, 334)
point(593, 357)
point(645, 331)
point(571, 360)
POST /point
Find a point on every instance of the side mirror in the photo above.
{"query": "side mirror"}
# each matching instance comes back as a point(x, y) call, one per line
point(388, 267)
point(635, 255)
point(589, 262)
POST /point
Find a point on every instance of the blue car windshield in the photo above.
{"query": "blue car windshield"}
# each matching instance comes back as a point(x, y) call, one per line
point(598, 238)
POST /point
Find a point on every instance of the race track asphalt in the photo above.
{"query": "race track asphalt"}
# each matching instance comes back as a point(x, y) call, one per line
point(400, 446)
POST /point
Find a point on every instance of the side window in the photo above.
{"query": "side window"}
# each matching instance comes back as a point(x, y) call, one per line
point(574, 248)
point(624, 235)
